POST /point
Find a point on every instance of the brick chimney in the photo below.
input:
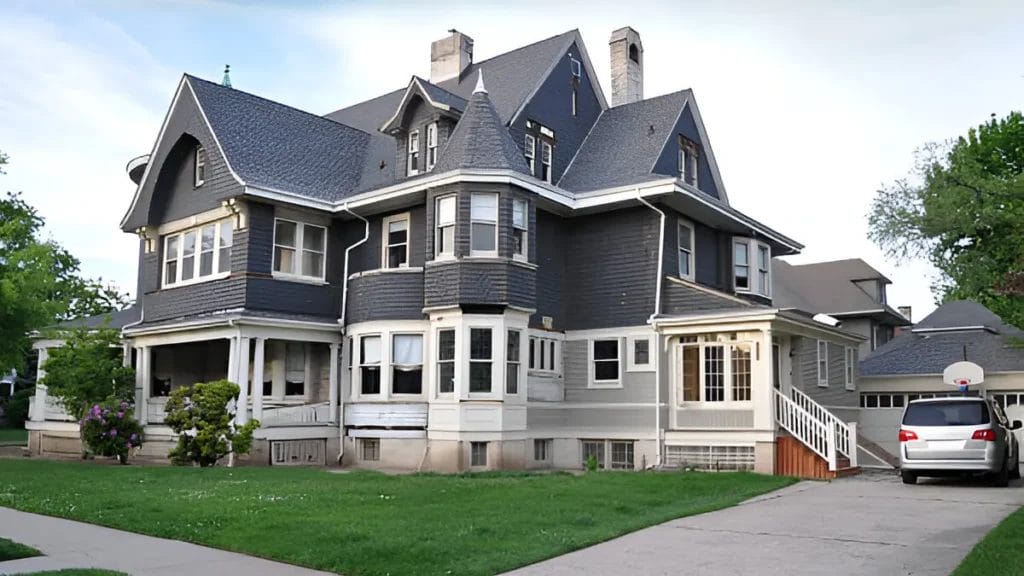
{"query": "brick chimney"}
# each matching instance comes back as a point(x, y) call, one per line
point(627, 60)
point(450, 56)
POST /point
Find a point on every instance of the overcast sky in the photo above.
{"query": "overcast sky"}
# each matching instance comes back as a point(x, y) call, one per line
point(810, 106)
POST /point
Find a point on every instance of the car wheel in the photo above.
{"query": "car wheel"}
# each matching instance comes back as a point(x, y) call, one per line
point(908, 477)
point(1001, 479)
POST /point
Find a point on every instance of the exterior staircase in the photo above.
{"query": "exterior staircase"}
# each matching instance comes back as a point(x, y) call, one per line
point(814, 443)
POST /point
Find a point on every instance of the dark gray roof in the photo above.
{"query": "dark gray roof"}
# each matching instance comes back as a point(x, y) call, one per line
point(442, 96)
point(480, 140)
point(827, 287)
point(624, 144)
point(996, 348)
point(278, 147)
point(118, 319)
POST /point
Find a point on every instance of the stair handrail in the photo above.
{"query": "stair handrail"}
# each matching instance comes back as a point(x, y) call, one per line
point(810, 431)
point(846, 433)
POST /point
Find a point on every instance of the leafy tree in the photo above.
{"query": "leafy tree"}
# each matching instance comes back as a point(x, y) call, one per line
point(203, 417)
point(963, 210)
point(40, 283)
point(88, 370)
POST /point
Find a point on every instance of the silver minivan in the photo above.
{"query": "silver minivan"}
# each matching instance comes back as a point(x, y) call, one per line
point(958, 435)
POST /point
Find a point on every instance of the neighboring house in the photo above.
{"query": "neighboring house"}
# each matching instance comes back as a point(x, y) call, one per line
point(850, 291)
point(490, 268)
point(911, 365)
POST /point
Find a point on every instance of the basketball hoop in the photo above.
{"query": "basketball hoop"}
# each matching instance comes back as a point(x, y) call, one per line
point(963, 375)
point(963, 383)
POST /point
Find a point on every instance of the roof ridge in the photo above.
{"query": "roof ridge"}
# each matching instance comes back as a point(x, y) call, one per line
point(275, 102)
point(525, 46)
point(651, 99)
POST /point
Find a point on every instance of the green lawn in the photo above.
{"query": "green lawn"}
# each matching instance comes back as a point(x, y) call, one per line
point(366, 523)
point(76, 572)
point(17, 436)
point(12, 550)
point(999, 552)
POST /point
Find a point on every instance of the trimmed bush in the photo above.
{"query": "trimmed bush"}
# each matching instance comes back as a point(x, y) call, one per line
point(203, 416)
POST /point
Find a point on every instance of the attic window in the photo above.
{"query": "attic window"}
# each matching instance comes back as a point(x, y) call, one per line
point(574, 65)
point(200, 166)
point(545, 161)
point(530, 150)
point(689, 153)
point(431, 145)
point(413, 164)
point(536, 132)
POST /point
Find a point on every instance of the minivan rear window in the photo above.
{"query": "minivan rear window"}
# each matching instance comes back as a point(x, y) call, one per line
point(946, 414)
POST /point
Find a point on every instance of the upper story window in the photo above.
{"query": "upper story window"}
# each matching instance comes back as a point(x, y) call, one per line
point(530, 151)
point(520, 219)
point(200, 175)
point(396, 241)
point(689, 153)
point(574, 99)
point(752, 266)
point(431, 145)
point(545, 161)
point(413, 162)
point(484, 224)
point(575, 67)
point(822, 362)
point(444, 241)
point(685, 250)
point(198, 254)
point(299, 249)
point(546, 137)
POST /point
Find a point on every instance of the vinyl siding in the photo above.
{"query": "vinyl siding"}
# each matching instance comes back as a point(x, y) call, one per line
point(836, 394)
point(551, 261)
point(636, 386)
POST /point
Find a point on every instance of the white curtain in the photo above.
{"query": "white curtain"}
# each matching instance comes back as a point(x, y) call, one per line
point(446, 210)
point(407, 349)
point(370, 350)
point(484, 207)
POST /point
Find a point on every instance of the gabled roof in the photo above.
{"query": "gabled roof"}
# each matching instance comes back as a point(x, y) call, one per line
point(828, 288)
point(276, 147)
point(116, 320)
point(943, 337)
point(480, 140)
point(435, 96)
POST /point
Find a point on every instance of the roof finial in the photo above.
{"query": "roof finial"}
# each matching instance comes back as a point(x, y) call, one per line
point(480, 83)
point(227, 76)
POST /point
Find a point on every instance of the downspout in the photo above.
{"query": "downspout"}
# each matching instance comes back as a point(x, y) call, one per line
point(657, 311)
point(341, 322)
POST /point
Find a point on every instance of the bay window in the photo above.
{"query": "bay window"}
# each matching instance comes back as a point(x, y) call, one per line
point(299, 249)
point(197, 254)
point(446, 361)
point(396, 241)
point(685, 250)
point(369, 364)
point(512, 363)
point(407, 363)
point(444, 241)
point(741, 265)
point(484, 224)
point(480, 358)
point(715, 370)
point(520, 217)
point(752, 276)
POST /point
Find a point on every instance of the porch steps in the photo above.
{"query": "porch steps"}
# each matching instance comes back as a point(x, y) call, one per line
point(793, 458)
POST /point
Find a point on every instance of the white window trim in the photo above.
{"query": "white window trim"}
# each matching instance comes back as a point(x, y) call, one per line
point(438, 255)
point(497, 360)
point(822, 377)
point(753, 268)
point(693, 261)
point(385, 362)
point(384, 245)
point(196, 278)
point(300, 229)
point(526, 229)
point(544, 338)
point(391, 364)
point(520, 372)
point(412, 147)
point(497, 215)
point(702, 344)
point(530, 152)
point(592, 382)
point(430, 161)
point(551, 159)
point(575, 67)
point(197, 180)
point(435, 361)
point(631, 365)
point(850, 368)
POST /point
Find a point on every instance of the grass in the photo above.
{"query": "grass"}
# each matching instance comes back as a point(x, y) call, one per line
point(364, 523)
point(999, 552)
point(15, 436)
point(76, 572)
point(13, 551)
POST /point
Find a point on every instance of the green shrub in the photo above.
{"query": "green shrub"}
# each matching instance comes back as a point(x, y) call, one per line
point(16, 409)
point(203, 417)
point(592, 463)
point(111, 430)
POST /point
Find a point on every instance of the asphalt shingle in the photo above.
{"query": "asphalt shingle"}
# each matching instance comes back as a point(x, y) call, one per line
point(480, 140)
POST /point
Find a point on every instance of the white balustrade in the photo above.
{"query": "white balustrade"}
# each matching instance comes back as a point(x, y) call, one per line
point(846, 435)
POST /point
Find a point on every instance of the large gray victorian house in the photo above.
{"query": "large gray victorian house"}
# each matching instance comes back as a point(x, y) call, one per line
point(490, 268)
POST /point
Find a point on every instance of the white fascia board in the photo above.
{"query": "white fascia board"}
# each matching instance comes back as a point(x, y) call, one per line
point(292, 198)
point(623, 193)
point(757, 315)
point(760, 228)
point(405, 100)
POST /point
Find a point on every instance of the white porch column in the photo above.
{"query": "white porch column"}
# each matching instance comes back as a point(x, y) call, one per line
point(39, 404)
point(333, 395)
point(257, 379)
point(143, 382)
point(243, 380)
point(233, 359)
point(762, 389)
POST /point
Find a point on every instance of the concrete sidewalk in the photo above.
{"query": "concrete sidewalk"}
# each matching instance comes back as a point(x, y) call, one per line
point(69, 544)
point(865, 525)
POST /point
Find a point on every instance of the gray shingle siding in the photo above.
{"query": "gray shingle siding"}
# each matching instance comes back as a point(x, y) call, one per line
point(385, 296)
point(369, 255)
point(711, 251)
point(636, 386)
point(806, 361)
point(195, 300)
point(668, 160)
point(470, 282)
point(551, 280)
point(611, 262)
point(680, 299)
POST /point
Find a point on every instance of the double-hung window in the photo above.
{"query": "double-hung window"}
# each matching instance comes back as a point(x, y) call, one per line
point(752, 265)
point(413, 161)
point(200, 174)
point(520, 232)
point(688, 161)
point(484, 224)
point(605, 362)
point(741, 265)
point(545, 161)
point(444, 241)
point(530, 151)
point(396, 241)
point(764, 257)
point(512, 362)
point(198, 254)
point(481, 354)
point(369, 364)
point(407, 363)
point(431, 145)
point(294, 369)
point(446, 361)
point(685, 250)
point(822, 363)
point(851, 362)
point(299, 249)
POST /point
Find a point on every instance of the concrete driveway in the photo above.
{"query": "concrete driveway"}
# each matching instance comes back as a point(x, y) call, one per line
point(870, 524)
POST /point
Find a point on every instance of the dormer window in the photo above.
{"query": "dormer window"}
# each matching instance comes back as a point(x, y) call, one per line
point(431, 145)
point(200, 175)
point(689, 154)
point(530, 151)
point(575, 67)
point(752, 266)
point(413, 165)
point(538, 133)
point(545, 161)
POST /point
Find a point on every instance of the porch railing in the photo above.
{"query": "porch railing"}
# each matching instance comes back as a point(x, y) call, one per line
point(306, 414)
point(812, 432)
point(845, 433)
